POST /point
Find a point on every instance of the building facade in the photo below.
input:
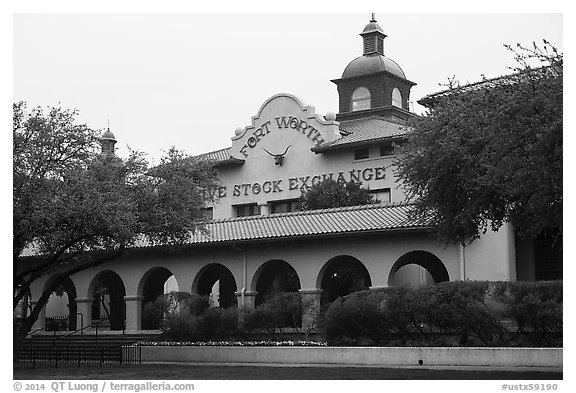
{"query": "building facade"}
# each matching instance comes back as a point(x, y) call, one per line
point(258, 243)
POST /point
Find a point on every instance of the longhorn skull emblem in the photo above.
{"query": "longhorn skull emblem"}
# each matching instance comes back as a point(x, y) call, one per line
point(278, 158)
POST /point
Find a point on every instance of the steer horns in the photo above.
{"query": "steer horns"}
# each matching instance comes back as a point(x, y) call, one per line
point(278, 158)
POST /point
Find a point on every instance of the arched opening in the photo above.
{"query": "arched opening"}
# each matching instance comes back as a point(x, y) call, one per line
point(342, 276)
point(61, 311)
point(417, 269)
point(155, 283)
point(108, 292)
point(360, 99)
point(396, 97)
point(217, 282)
point(274, 277)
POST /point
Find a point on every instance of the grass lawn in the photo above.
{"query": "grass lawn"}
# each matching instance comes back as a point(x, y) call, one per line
point(205, 372)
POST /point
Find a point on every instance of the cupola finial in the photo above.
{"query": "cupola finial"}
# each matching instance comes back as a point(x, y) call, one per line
point(373, 17)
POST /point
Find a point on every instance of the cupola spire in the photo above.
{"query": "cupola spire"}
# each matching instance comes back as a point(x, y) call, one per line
point(373, 37)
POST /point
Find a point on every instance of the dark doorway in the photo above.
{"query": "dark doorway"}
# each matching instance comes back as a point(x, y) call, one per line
point(109, 301)
point(153, 288)
point(217, 281)
point(342, 276)
point(273, 278)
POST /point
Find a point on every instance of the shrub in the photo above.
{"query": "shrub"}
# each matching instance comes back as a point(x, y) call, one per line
point(536, 308)
point(259, 318)
point(217, 323)
point(153, 313)
point(458, 307)
point(286, 308)
point(178, 328)
point(355, 319)
point(450, 313)
point(193, 304)
point(282, 310)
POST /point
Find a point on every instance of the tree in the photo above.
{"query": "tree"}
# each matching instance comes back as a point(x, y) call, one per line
point(331, 193)
point(77, 208)
point(490, 153)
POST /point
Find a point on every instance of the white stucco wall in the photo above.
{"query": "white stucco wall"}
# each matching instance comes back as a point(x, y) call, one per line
point(300, 166)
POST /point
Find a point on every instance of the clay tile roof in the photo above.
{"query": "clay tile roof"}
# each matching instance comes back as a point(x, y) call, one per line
point(354, 219)
point(217, 155)
point(380, 217)
point(362, 131)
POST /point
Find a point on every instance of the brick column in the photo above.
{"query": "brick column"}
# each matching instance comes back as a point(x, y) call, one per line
point(84, 307)
point(310, 308)
point(133, 312)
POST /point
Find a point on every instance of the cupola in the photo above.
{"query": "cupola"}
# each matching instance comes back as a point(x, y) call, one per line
point(107, 142)
point(373, 84)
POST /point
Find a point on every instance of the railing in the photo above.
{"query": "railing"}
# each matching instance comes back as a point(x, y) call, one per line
point(81, 330)
point(46, 354)
point(48, 327)
point(59, 353)
point(131, 354)
point(59, 323)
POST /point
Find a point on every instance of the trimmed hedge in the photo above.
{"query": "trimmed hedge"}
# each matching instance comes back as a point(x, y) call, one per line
point(192, 319)
point(450, 314)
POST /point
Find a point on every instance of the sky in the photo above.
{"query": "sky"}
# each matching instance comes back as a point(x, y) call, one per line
point(190, 79)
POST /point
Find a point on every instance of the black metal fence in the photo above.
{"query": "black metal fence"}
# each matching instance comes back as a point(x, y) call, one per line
point(48, 355)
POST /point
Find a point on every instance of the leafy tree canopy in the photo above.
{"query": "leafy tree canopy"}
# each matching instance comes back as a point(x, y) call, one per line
point(78, 208)
point(331, 193)
point(490, 153)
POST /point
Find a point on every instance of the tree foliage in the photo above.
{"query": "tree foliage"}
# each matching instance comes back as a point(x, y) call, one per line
point(330, 193)
point(491, 153)
point(77, 208)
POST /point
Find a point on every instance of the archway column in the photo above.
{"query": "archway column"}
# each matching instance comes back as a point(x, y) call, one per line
point(84, 307)
point(249, 299)
point(133, 312)
point(310, 308)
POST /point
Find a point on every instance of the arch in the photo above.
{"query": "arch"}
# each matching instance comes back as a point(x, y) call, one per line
point(151, 286)
point(341, 276)
point(108, 291)
point(217, 280)
point(60, 308)
point(360, 99)
point(435, 269)
point(273, 277)
point(396, 97)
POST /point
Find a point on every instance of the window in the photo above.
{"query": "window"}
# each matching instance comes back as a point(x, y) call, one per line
point(381, 195)
point(247, 210)
point(396, 98)
point(360, 154)
point(286, 206)
point(387, 149)
point(360, 99)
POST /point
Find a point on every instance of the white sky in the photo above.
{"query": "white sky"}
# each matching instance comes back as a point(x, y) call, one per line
point(190, 79)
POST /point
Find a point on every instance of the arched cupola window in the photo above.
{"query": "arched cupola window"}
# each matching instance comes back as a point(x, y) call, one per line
point(396, 98)
point(360, 99)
